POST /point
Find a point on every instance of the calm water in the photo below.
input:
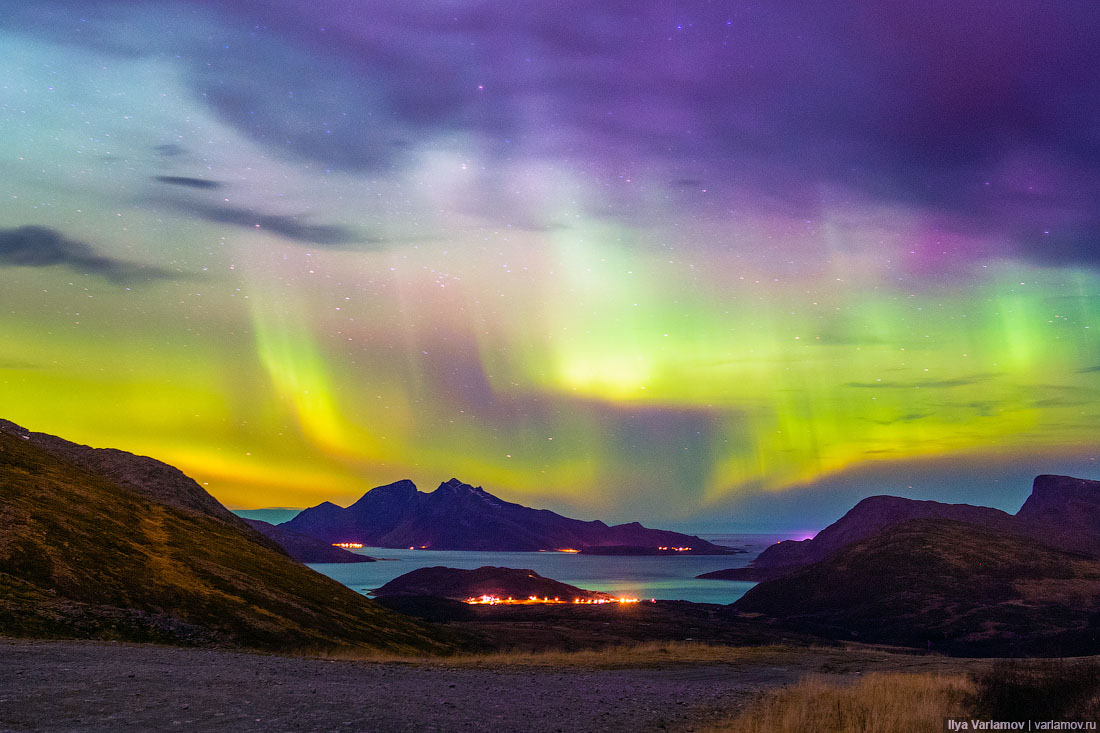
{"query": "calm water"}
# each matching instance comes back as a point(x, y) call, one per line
point(664, 578)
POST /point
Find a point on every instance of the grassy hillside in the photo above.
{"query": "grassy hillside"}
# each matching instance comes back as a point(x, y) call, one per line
point(82, 556)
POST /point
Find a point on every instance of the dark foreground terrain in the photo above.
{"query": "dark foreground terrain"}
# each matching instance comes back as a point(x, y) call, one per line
point(567, 627)
point(99, 543)
point(96, 686)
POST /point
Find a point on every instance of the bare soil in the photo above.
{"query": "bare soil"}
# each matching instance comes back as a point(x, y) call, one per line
point(96, 686)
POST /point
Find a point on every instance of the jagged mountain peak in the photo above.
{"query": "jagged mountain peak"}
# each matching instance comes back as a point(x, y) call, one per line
point(404, 486)
point(396, 494)
point(456, 485)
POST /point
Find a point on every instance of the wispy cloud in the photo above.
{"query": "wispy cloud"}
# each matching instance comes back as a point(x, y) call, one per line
point(296, 228)
point(189, 182)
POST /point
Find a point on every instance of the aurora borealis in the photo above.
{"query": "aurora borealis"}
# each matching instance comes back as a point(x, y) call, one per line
point(633, 260)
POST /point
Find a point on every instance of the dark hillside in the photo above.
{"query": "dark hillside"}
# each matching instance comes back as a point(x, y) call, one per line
point(945, 584)
point(87, 556)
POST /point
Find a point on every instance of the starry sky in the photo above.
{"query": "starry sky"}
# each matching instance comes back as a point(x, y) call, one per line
point(737, 263)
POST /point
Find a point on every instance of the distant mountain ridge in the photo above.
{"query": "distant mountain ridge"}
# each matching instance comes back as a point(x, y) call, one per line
point(458, 516)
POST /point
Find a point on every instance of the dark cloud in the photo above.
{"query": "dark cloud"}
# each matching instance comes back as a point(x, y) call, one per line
point(911, 417)
point(189, 182)
point(36, 246)
point(931, 383)
point(169, 150)
point(6, 364)
point(984, 121)
point(981, 120)
point(983, 408)
point(1054, 402)
point(1089, 370)
point(290, 227)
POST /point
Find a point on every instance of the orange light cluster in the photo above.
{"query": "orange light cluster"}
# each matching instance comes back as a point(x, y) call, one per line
point(348, 545)
point(495, 600)
point(566, 549)
point(675, 549)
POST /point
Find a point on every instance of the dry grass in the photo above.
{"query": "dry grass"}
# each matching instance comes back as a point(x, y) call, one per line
point(1048, 689)
point(649, 654)
point(659, 654)
point(878, 703)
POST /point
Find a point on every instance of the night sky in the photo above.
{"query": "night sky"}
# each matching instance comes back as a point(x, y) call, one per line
point(741, 263)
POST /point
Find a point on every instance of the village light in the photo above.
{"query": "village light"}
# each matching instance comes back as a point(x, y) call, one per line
point(487, 600)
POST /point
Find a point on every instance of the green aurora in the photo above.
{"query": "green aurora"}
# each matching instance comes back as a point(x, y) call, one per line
point(288, 331)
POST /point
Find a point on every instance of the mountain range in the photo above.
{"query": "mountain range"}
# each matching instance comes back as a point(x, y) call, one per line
point(458, 516)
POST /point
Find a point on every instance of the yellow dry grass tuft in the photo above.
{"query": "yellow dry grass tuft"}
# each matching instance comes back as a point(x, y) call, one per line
point(877, 703)
point(648, 654)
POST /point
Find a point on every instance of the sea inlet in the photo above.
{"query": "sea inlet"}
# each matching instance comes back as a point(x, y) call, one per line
point(660, 577)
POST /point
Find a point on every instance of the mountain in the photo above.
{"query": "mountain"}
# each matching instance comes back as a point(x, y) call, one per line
point(458, 516)
point(484, 581)
point(304, 548)
point(1065, 512)
point(108, 545)
point(1062, 512)
point(863, 520)
point(147, 476)
point(943, 584)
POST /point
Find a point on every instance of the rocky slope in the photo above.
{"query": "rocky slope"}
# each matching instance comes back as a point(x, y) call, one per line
point(457, 516)
point(96, 545)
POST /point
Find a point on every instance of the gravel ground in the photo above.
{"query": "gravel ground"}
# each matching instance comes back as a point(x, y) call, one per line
point(91, 686)
point(87, 686)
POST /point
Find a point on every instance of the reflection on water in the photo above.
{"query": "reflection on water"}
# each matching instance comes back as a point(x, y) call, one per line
point(664, 578)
